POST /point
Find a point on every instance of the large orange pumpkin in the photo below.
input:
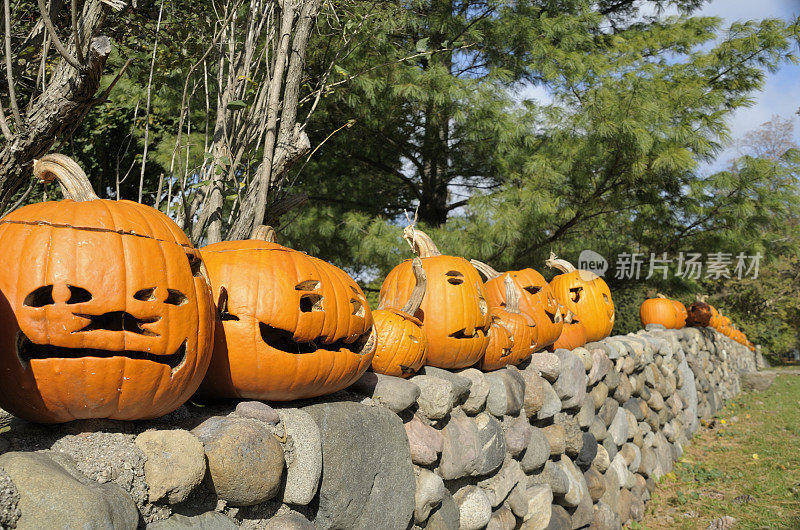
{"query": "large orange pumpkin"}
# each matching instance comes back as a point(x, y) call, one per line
point(454, 313)
point(402, 344)
point(106, 310)
point(572, 336)
point(658, 310)
point(520, 328)
point(536, 300)
point(289, 326)
point(585, 294)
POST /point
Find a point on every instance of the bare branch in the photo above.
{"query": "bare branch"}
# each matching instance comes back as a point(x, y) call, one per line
point(147, 104)
point(53, 35)
point(76, 31)
point(9, 71)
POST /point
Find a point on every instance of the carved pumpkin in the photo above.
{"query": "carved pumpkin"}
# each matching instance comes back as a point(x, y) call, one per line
point(536, 299)
point(107, 310)
point(680, 314)
point(698, 314)
point(289, 326)
point(454, 313)
point(585, 294)
point(572, 336)
point(402, 344)
point(519, 327)
point(659, 310)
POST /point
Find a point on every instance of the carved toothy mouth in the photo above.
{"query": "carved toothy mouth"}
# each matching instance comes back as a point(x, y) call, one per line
point(284, 341)
point(28, 351)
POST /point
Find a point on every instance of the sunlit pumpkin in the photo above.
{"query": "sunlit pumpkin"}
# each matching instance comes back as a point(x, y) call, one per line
point(454, 313)
point(513, 333)
point(536, 299)
point(585, 294)
point(573, 335)
point(659, 310)
point(289, 326)
point(402, 344)
point(680, 314)
point(106, 309)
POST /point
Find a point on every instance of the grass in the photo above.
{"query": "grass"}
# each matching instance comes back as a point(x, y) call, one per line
point(752, 448)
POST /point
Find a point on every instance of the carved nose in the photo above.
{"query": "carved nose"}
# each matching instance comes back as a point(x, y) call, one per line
point(118, 321)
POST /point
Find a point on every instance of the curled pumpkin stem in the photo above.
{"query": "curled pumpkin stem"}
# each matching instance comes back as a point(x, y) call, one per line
point(418, 293)
point(264, 233)
point(512, 295)
point(74, 183)
point(421, 242)
point(488, 272)
point(561, 264)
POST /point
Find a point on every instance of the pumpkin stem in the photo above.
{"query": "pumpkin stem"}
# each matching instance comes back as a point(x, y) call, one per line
point(701, 297)
point(561, 264)
point(415, 300)
point(485, 269)
point(512, 295)
point(659, 295)
point(264, 233)
point(73, 181)
point(421, 242)
point(569, 317)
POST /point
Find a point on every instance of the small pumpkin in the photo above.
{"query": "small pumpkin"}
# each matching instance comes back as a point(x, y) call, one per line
point(520, 327)
point(402, 345)
point(585, 294)
point(106, 311)
point(289, 326)
point(659, 310)
point(454, 313)
point(573, 335)
point(536, 299)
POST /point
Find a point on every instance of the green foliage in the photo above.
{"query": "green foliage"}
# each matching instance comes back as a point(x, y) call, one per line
point(422, 106)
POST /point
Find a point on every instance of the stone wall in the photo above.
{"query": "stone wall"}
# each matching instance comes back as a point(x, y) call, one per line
point(568, 440)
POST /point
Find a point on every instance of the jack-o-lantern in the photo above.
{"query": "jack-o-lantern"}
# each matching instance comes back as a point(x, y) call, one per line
point(681, 314)
point(289, 326)
point(402, 344)
point(536, 299)
point(454, 311)
point(107, 310)
point(585, 294)
point(498, 350)
point(572, 336)
point(658, 310)
point(513, 333)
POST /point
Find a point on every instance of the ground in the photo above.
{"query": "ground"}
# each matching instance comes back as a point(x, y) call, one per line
point(745, 463)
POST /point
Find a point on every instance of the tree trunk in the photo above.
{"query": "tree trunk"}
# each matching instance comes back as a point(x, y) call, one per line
point(58, 110)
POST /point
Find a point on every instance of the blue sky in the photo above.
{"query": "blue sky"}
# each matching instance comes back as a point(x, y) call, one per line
point(781, 93)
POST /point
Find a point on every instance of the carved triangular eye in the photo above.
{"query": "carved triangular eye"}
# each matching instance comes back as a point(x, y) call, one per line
point(78, 295)
point(308, 285)
point(40, 297)
point(145, 295)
